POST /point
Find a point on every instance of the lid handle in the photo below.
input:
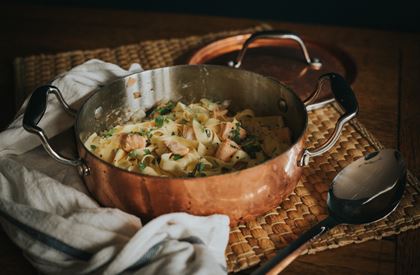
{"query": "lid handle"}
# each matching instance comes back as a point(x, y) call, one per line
point(315, 63)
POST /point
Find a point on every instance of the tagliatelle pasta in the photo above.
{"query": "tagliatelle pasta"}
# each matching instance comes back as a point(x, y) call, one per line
point(199, 139)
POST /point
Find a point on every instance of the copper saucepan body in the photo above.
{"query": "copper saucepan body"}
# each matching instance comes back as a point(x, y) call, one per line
point(242, 194)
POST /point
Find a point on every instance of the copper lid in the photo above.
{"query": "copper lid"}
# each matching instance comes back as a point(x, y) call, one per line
point(281, 55)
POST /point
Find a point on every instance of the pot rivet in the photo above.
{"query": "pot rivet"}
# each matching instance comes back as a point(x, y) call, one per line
point(98, 112)
point(282, 105)
point(83, 170)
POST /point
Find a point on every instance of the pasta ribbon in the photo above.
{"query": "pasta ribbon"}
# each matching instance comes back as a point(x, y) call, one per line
point(195, 140)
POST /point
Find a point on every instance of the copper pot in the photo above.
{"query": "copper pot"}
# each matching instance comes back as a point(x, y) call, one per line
point(241, 195)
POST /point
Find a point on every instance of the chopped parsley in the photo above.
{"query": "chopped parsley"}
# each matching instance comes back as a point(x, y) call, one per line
point(159, 120)
point(177, 157)
point(93, 147)
point(147, 152)
point(251, 145)
point(164, 110)
point(235, 133)
point(146, 133)
point(200, 167)
point(132, 154)
point(150, 112)
point(198, 170)
point(141, 166)
point(167, 108)
point(109, 133)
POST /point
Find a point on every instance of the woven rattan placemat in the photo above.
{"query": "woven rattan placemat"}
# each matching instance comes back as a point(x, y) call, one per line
point(256, 240)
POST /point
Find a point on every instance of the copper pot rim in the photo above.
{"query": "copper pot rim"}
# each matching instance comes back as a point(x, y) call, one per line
point(191, 179)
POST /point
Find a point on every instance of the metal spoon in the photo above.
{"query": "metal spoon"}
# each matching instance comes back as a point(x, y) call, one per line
point(367, 190)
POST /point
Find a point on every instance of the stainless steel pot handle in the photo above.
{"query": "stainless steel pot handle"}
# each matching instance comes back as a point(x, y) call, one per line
point(34, 112)
point(345, 98)
point(315, 63)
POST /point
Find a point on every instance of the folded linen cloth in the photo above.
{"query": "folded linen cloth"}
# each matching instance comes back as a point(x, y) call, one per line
point(46, 210)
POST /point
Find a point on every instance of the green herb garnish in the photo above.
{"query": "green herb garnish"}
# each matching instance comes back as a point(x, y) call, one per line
point(251, 146)
point(198, 169)
point(177, 157)
point(109, 133)
point(147, 152)
point(162, 110)
point(150, 112)
point(132, 154)
point(142, 166)
point(167, 108)
point(235, 133)
point(93, 147)
point(145, 133)
point(159, 121)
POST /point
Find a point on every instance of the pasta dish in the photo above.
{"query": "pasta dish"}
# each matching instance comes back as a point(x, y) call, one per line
point(200, 139)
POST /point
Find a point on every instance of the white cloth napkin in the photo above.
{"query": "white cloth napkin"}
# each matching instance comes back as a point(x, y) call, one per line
point(46, 210)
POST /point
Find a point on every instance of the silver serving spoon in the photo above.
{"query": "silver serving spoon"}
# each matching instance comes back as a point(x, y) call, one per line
point(367, 190)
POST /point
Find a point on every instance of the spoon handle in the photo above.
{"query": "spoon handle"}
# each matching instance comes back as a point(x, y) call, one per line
point(285, 256)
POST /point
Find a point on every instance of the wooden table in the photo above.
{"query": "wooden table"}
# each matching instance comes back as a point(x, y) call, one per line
point(386, 86)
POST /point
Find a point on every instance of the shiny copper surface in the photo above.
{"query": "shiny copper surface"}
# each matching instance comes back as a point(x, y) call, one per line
point(240, 195)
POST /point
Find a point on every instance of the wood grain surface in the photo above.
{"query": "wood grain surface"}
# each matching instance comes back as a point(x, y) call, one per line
point(388, 72)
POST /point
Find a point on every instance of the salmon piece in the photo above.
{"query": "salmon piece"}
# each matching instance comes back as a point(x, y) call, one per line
point(129, 142)
point(226, 150)
point(188, 132)
point(219, 113)
point(226, 129)
point(176, 147)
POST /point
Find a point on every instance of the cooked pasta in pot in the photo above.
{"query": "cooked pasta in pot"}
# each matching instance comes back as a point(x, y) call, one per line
point(200, 139)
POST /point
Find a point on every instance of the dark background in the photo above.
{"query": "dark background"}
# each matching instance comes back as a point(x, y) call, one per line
point(25, 31)
point(387, 15)
point(387, 85)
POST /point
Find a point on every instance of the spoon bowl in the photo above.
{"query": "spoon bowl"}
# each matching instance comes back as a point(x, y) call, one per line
point(367, 190)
